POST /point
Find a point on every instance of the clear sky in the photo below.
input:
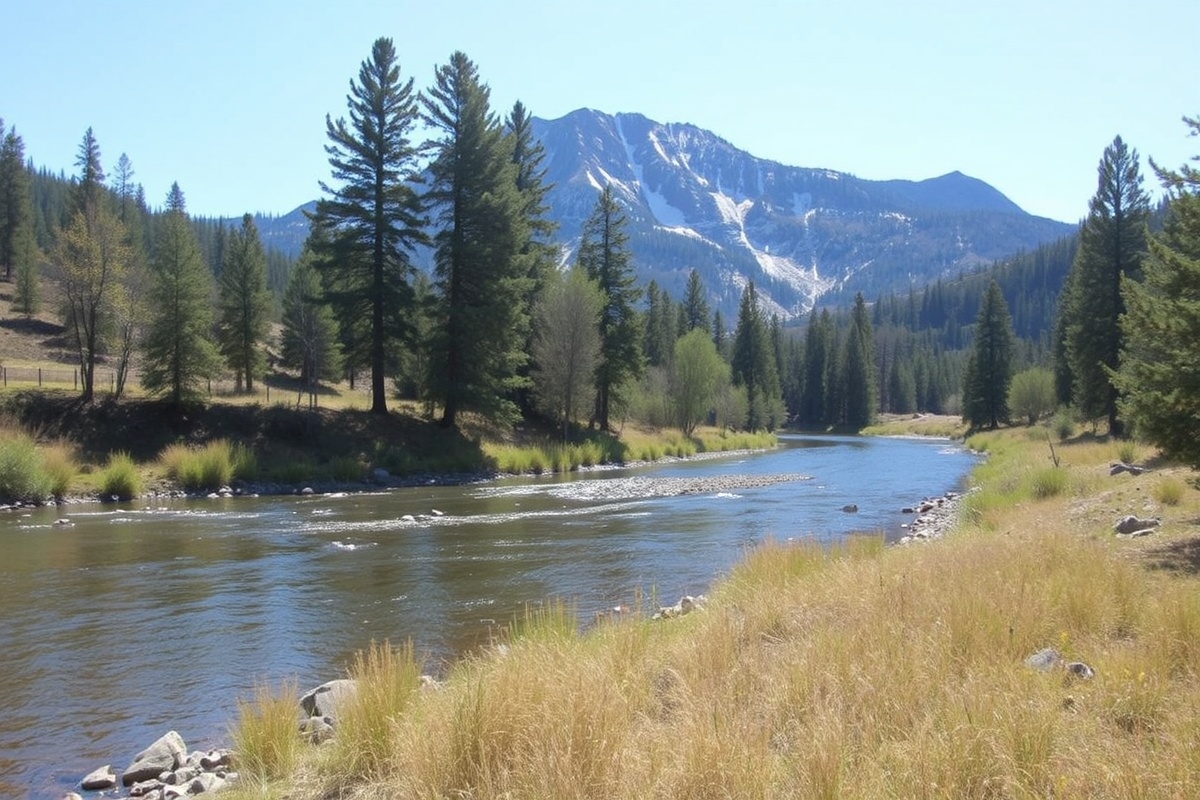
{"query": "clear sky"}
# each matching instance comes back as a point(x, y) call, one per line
point(229, 98)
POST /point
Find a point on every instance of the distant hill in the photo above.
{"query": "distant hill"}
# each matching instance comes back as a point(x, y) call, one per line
point(693, 200)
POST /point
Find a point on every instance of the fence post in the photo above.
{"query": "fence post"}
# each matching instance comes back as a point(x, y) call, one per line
point(75, 378)
point(268, 394)
point(39, 376)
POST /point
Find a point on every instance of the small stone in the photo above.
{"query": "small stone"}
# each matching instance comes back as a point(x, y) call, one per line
point(307, 490)
point(317, 730)
point(1080, 670)
point(1044, 660)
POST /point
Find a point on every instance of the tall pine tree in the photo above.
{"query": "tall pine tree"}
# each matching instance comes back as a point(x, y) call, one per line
point(483, 276)
point(17, 244)
point(178, 352)
point(753, 364)
point(1112, 245)
point(1159, 375)
point(604, 254)
point(695, 306)
point(309, 342)
point(990, 366)
point(373, 215)
point(243, 304)
point(859, 387)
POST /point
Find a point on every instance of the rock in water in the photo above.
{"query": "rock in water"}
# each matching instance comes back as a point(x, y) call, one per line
point(98, 779)
point(165, 755)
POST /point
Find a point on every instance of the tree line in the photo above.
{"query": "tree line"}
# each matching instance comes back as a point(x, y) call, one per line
point(502, 327)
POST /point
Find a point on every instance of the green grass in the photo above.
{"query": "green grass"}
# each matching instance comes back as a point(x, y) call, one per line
point(121, 478)
point(208, 467)
point(58, 460)
point(1169, 491)
point(22, 473)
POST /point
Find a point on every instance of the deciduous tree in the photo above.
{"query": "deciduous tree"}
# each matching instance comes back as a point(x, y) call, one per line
point(566, 345)
point(698, 375)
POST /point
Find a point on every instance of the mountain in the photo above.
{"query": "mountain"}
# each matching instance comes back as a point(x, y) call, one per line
point(693, 200)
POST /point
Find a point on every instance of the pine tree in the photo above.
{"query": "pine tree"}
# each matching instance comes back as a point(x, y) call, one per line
point(1112, 245)
point(244, 304)
point(990, 366)
point(88, 192)
point(753, 364)
point(373, 216)
point(858, 379)
point(817, 355)
point(1159, 375)
point(178, 353)
point(309, 340)
point(695, 306)
point(659, 326)
point(17, 245)
point(604, 254)
point(539, 251)
point(482, 277)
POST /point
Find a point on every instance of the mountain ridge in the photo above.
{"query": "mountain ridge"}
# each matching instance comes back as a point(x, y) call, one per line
point(694, 200)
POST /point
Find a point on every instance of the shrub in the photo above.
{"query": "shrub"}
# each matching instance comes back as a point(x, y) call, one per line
point(120, 479)
point(345, 469)
point(22, 476)
point(1031, 394)
point(1063, 424)
point(1127, 452)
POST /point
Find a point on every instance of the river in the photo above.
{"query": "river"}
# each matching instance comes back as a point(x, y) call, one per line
point(136, 619)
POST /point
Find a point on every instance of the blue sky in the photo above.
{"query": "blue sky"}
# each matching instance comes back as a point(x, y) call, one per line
point(229, 98)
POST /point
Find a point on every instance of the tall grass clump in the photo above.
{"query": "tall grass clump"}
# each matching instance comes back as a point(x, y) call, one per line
point(345, 469)
point(1128, 452)
point(120, 479)
point(1169, 491)
point(209, 467)
point(59, 462)
point(387, 680)
point(1048, 482)
point(22, 474)
point(265, 737)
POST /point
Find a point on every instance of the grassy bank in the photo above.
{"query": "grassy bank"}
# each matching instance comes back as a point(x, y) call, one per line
point(50, 444)
point(861, 672)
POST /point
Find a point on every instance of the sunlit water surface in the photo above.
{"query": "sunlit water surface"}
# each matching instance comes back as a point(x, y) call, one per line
point(137, 620)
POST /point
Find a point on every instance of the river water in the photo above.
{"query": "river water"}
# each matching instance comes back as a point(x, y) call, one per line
point(138, 619)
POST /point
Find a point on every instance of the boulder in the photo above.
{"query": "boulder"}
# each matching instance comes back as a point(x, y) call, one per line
point(328, 698)
point(1132, 525)
point(150, 788)
point(213, 760)
point(1119, 467)
point(97, 779)
point(165, 755)
point(1080, 670)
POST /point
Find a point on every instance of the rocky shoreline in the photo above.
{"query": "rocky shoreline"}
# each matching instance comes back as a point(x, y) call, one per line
point(933, 518)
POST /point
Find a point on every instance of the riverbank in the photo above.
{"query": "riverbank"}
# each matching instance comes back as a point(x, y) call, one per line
point(857, 671)
point(50, 443)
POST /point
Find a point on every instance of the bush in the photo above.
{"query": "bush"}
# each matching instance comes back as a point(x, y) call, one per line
point(1031, 394)
point(1064, 424)
point(120, 479)
point(22, 476)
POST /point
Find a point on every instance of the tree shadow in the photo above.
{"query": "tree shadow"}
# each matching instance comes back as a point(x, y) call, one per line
point(1179, 557)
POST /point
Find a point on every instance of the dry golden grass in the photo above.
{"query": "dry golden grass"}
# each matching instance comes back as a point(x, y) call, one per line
point(857, 672)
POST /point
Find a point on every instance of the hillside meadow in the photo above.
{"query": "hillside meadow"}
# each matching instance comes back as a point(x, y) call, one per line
point(863, 671)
